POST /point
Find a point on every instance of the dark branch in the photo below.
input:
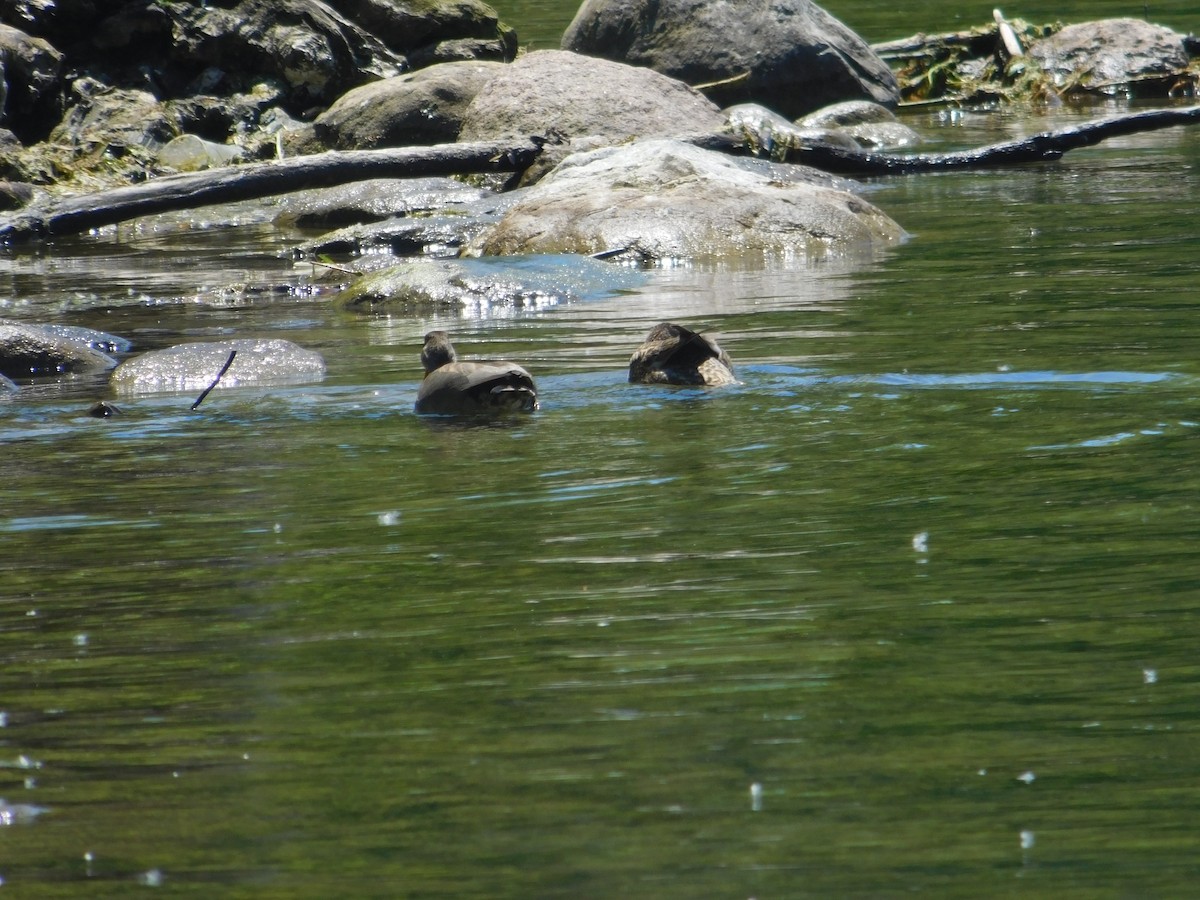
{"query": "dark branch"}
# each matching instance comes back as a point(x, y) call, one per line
point(208, 390)
point(248, 182)
point(1048, 145)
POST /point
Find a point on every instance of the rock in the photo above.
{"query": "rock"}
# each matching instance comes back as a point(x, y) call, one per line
point(479, 287)
point(670, 200)
point(237, 72)
point(14, 195)
point(33, 102)
point(305, 45)
point(61, 22)
point(790, 55)
point(35, 351)
point(189, 153)
point(376, 199)
point(466, 50)
point(417, 108)
point(193, 366)
point(573, 95)
point(114, 121)
point(1109, 54)
point(430, 30)
point(766, 128)
point(217, 116)
point(870, 125)
point(443, 233)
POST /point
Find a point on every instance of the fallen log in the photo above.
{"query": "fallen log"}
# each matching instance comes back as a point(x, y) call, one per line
point(1043, 147)
point(254, 180)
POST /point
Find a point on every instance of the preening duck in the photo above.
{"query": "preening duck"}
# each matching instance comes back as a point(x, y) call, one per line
point(672, 354)
point(451, 387)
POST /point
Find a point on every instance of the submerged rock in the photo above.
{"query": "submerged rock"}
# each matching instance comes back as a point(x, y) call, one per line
point(573, 95)
point(36, 351)
point(376, 199)
point(482, 286)
point(193, 366)
point(440, 230)
point(790, 55)
point(671, 200)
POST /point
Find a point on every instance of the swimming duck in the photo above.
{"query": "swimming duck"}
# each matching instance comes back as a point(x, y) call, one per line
point(672, 354)
point(451, 387)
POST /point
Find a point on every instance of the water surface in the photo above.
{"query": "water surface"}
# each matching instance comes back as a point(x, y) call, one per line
point(909, 610)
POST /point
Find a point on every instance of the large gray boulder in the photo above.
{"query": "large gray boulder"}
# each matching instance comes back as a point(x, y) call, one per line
point(572, 95)
point(789, 55)
point(1109, 54)
point(193, 366)
point(670, 200)
point(417, 108)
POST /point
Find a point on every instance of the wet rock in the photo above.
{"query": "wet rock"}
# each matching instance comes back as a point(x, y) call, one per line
point(38, 351)
point(417, 108)
point(766, 128)
point(193, 366)
point(1110, 54)
point(572, 95)
point(790, 55)
point(424, 216)
point(870, 125)
point(670, 200)
point(32, 68)
point(480, 287)
point(376, 199)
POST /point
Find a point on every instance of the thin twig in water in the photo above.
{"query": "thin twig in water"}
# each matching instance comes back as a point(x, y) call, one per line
point(224, 369)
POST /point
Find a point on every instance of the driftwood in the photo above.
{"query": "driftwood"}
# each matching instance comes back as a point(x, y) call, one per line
point(975, 42)
point(247, 182)
point(1043, 147)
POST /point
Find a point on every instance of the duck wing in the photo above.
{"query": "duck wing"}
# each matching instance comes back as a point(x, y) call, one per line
point(460, 388)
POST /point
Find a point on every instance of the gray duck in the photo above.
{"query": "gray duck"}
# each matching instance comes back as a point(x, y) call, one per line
point(451, 387)
point(672, 354)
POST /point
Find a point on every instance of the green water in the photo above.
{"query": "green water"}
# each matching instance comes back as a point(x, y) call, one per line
point(927, 577)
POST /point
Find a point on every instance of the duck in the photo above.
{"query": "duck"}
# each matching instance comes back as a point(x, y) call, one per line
point(451, 387)
point(672, 354)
